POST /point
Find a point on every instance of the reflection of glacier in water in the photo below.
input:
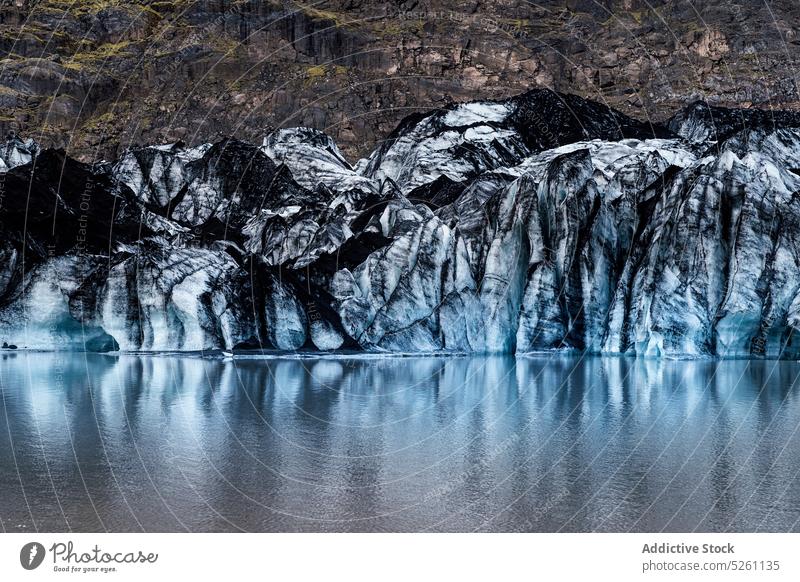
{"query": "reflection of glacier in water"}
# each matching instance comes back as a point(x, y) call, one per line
point(124, 443)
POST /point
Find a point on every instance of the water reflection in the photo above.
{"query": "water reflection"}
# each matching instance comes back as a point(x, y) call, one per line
point(130, 443)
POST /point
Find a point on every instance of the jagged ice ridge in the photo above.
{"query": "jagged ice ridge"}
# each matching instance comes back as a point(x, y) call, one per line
point(541, 222)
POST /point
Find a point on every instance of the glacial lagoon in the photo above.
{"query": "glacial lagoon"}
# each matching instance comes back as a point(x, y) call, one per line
point(92, 442)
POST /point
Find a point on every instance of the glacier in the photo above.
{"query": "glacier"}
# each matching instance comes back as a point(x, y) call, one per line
point(540, 222)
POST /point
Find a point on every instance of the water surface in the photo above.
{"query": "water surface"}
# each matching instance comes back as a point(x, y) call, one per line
point(172, 443)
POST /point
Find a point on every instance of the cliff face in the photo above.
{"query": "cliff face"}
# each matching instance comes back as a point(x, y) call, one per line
point(98, 76)
point(540, 222)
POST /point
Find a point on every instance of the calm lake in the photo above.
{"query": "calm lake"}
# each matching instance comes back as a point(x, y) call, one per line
point(174, 443)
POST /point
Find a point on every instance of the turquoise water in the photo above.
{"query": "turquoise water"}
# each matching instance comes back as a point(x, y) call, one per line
point(172, 443)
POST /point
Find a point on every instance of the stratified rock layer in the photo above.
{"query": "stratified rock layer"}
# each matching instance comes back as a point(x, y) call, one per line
point(98, 76)
point(540, 222)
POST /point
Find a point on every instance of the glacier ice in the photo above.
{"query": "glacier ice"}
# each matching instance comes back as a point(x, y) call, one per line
point(540, 222)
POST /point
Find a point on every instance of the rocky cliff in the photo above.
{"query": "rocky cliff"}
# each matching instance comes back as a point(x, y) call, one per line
point(539, 222)
point(98, 76)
